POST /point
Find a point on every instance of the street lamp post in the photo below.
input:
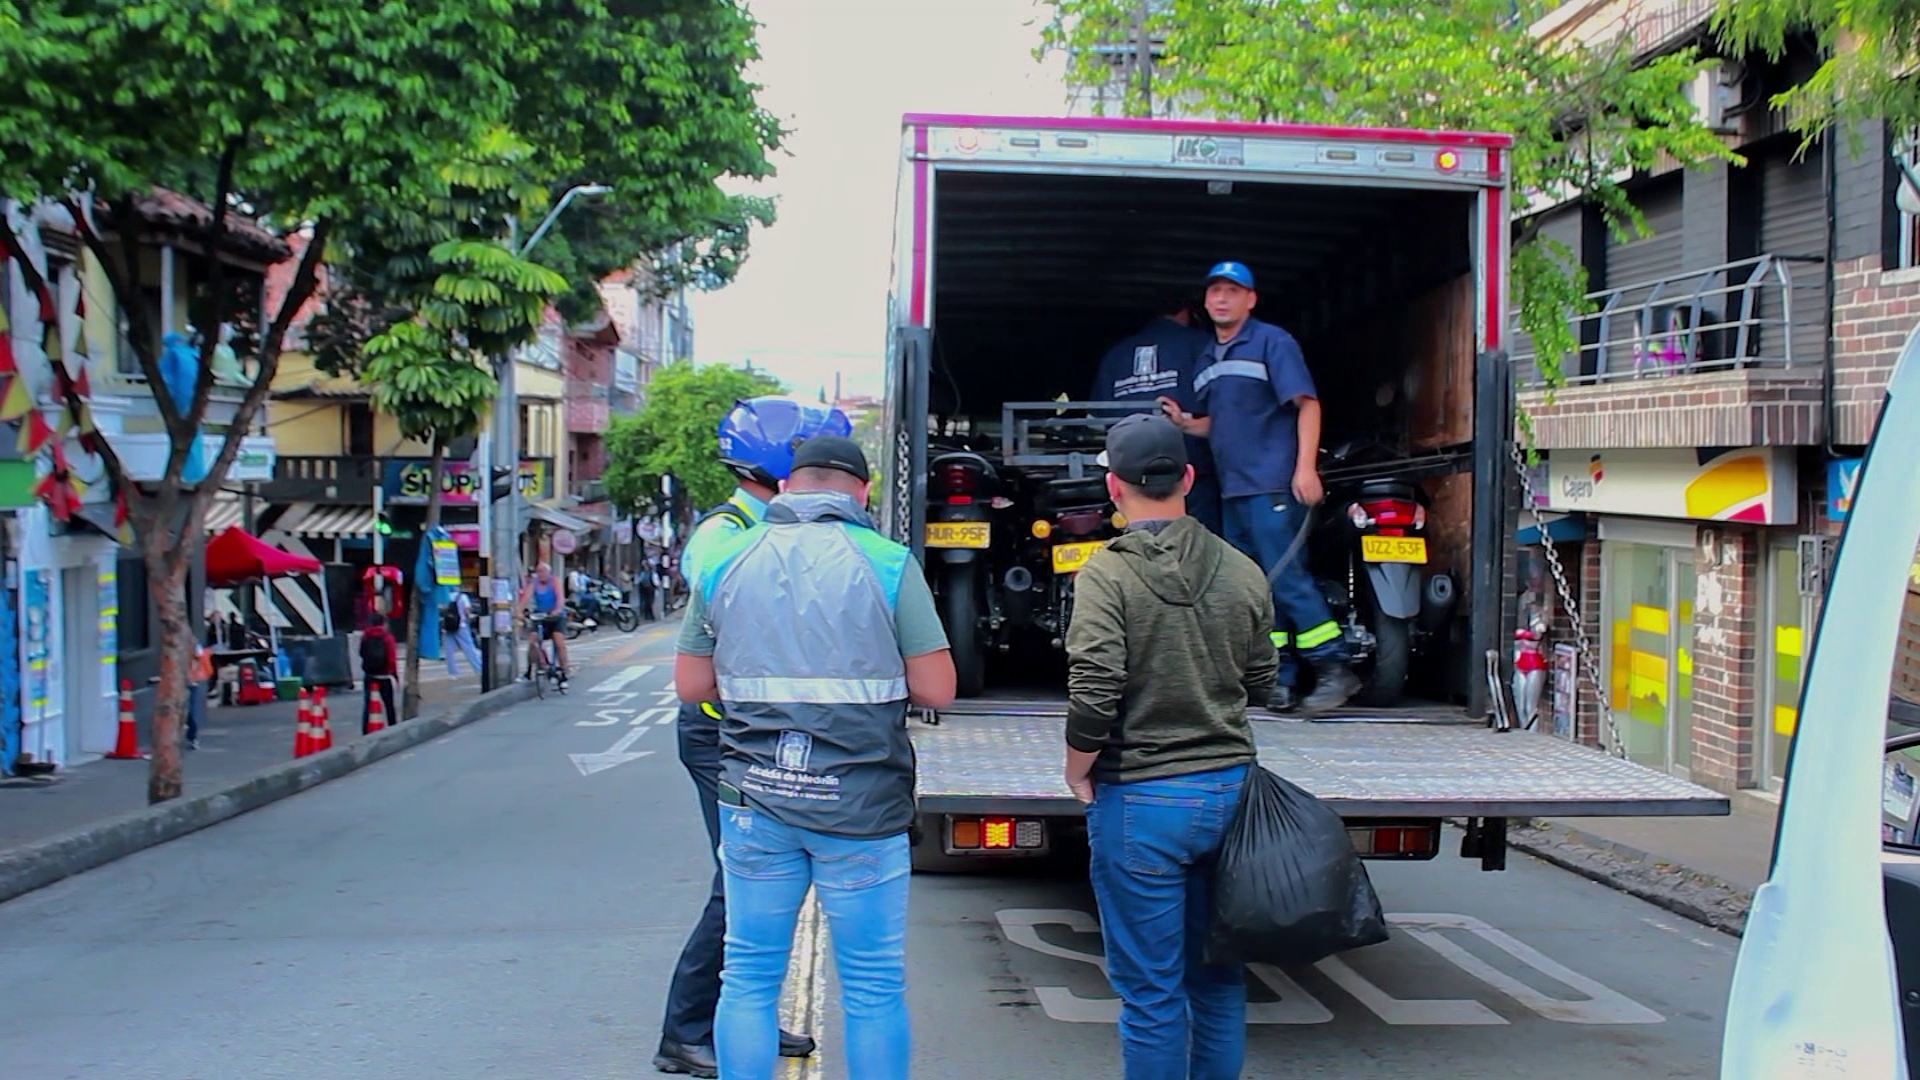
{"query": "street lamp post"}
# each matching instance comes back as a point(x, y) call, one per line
point(501, 536)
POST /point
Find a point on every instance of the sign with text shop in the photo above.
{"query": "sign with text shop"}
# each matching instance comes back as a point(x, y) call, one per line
point(408, 481)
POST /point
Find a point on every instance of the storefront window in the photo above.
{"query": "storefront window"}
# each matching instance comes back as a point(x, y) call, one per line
point(1640, 625)
point(1783, 637)
point(1649, 657)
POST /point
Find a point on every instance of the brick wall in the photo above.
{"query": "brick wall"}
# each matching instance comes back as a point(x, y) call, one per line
point(1873, 311)
point(1753, 407)
point(1725, 656)
point(1586, 702)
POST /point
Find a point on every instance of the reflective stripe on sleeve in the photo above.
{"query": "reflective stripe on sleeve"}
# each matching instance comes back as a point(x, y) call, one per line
point(1319, 635)
point(1245, 369)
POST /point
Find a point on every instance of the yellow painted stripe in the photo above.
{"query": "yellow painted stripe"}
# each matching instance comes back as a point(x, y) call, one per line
point(1683, 659)
point(1653, 620)
point(1648, 665)
point(1686, 612)
point(1786, 640)
point(1640, 687)
point(1617, 676)
point(1785, 719)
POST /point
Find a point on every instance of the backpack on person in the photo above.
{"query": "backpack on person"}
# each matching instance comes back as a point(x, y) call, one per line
point(376, 654)
point(450, 617)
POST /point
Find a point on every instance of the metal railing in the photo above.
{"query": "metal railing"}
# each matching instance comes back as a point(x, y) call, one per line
point(1736, 315)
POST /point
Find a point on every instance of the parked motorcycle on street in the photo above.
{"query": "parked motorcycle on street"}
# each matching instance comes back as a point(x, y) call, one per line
point(964, 502)
point(614, 608)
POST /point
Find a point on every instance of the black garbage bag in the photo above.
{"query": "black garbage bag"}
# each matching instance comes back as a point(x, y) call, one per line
point(1288, 888)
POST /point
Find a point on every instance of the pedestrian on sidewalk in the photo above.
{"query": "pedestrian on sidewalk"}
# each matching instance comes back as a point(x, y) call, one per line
point(815, 632)
point(199, 684)
point(379, 656)
point(459, 628)
point(1167, 646)
point(756, 444)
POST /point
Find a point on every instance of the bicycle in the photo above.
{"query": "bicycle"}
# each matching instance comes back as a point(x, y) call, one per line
point(540, 655)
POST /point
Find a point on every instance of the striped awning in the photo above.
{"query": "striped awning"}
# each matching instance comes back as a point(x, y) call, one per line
point(223, 512)
point(332, 522)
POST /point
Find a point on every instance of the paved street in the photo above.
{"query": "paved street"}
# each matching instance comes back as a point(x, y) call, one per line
point(507, 901)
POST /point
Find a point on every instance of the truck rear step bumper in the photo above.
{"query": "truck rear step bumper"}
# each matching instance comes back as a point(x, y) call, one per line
point(1012, 765)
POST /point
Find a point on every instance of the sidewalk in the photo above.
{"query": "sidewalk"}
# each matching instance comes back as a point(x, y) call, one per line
point(236, 741)
point(1705, 868)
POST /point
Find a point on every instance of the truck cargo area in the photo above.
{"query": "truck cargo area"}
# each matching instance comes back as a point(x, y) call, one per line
point(1034, 276)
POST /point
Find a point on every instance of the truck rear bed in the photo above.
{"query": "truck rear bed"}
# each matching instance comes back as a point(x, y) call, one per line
point(1009, 761)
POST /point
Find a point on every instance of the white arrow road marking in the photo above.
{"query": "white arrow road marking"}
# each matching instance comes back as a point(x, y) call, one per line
point(619, 753)
point(618, 681)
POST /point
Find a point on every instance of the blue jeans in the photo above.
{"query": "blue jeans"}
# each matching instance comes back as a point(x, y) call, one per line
point(1153, 844)
point(1262, 527)
point(862, 884)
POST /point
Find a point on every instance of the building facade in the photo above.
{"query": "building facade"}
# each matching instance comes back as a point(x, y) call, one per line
point(1695, 462)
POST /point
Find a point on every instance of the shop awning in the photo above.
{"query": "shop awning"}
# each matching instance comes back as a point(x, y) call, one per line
point(330, 522)
point(559, 519)
point(223, 513)
point(1561, 528)
point(237, 556)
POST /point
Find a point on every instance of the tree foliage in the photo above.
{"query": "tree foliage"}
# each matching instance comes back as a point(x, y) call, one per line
point(1583, 118)
point(313, 115)
point(1871, 47)
point(676, 432)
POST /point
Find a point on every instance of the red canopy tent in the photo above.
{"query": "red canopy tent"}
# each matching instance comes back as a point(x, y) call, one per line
point(236, 557)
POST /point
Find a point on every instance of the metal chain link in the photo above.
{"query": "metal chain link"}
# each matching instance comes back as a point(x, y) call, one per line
point(903, 483)
point(1589, 666)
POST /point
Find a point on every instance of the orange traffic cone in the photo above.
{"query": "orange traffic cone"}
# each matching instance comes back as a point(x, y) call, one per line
point(376, 713)
point(302, 728)
point(322, 726)
point(126, 743)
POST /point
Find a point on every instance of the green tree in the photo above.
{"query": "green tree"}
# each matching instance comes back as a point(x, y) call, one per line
point(310, 114)
point(1870, 48)
point(1582, 116)
point(675, 433)
point(417, 300)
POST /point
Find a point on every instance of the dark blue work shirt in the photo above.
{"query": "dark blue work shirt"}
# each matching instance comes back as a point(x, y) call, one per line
point(1159, 361)
point(1247, 387)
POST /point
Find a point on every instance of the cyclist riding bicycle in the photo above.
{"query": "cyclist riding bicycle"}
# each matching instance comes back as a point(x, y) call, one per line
point(543, 597)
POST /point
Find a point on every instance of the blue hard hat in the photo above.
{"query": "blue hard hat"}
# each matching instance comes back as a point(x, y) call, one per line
point(758, 435)
point(1231, 271)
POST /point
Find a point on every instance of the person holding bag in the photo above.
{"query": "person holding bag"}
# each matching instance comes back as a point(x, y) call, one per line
point(1167, 645)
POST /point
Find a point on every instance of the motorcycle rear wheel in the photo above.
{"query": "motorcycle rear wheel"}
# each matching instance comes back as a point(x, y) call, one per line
point(960, 611)
point(627, 619)
point(1392, 655)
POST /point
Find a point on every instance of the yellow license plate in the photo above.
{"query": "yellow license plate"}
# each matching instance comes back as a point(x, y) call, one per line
point(1068, 558)
point(1412, 549)
point(958, 534)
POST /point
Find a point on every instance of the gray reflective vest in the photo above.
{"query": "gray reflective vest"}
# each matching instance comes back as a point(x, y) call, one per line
point(809, 668)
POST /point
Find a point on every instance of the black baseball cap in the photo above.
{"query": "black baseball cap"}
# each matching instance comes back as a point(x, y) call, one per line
point(1145, 447)
point(832, 452)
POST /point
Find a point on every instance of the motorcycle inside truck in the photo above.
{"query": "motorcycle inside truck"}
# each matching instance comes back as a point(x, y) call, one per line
point(1025, 248)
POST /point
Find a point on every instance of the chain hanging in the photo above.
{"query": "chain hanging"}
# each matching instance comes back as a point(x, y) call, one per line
point(1589, 666)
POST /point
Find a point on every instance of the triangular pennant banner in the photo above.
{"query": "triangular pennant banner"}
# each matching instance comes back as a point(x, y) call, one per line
point(15, 402)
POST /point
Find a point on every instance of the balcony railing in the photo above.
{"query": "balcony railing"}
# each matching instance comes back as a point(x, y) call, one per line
point(343, 480)
point(1733, 316)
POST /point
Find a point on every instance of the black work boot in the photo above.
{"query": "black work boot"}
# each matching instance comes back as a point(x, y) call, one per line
point(685, 1060)
point(1334, 682)
point(1282, 699)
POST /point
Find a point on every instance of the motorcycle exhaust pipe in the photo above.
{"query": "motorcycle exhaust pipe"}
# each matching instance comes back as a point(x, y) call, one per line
point(1018, 579)
point(1437, 599)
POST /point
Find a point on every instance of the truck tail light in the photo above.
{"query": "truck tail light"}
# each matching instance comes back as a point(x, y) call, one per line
point(996, 834)
point(1395, 840)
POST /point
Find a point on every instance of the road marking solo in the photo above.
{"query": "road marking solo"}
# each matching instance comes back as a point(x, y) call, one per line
point(619, 680)
point(1597, 1004)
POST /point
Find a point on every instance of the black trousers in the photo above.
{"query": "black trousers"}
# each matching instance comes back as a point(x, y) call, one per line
point(694, 993)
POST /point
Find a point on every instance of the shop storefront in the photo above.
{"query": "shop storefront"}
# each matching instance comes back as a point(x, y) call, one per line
point(1699, 602)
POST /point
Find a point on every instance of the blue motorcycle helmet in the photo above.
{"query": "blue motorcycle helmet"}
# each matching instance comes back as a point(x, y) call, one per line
point(758, 436)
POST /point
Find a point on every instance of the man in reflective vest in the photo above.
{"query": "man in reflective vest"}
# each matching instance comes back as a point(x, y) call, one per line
point(756, 443)
point(816, 632)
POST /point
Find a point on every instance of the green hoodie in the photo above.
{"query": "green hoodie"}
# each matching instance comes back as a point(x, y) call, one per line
point(1167, 645)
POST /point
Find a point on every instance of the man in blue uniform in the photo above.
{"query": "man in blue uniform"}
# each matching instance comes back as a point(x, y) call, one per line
point(757, 440)
point(1261, 413)
point(1159, 362)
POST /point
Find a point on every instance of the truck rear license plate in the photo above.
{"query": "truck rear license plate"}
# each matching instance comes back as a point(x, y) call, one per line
point(1068, 558)
point(1410, 549)
point(958, 534)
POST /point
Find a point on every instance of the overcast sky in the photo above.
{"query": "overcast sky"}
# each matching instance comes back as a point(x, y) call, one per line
point(811, 299)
